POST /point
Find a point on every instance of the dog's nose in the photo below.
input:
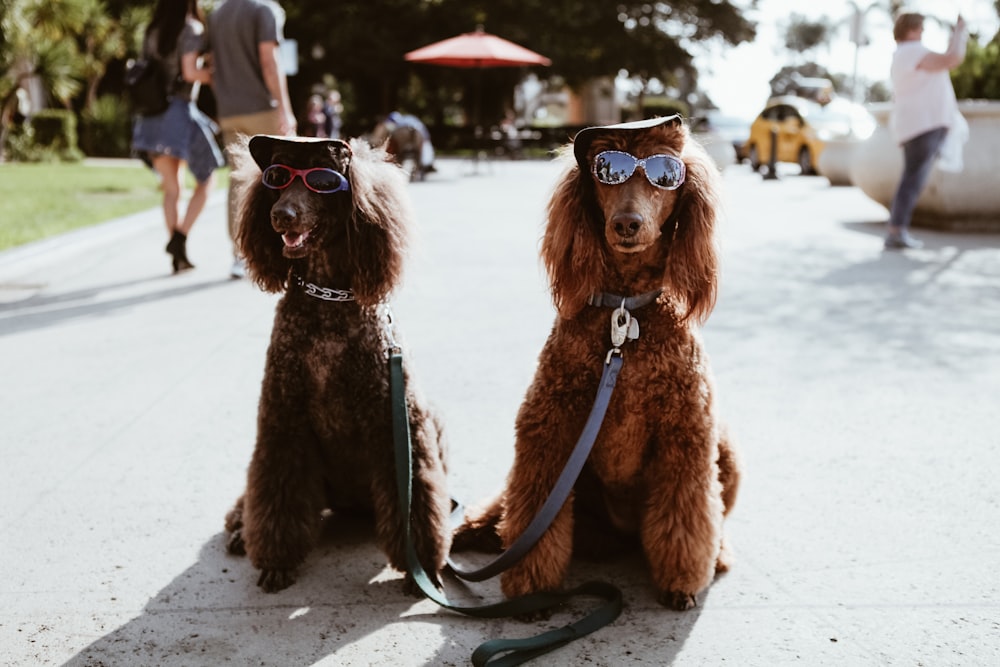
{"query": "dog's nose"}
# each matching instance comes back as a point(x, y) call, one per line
point(626, 224)
point(282, 216)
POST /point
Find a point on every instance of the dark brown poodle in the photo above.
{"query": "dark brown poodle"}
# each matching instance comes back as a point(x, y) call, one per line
point(662, 471)
point(327, 224)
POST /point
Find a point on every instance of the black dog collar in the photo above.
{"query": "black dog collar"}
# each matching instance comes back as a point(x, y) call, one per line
point(607, 300)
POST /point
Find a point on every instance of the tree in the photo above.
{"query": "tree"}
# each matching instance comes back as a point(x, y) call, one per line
point(788, 78)
point(360, 42)
point(69, 46)
point(102, 40)
point(37, 41)
point(978, 77)
point(586, 40)
point(360, 47)
point(803, 35)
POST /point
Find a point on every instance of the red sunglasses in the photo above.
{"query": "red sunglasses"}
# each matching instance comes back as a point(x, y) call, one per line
point(318, 179)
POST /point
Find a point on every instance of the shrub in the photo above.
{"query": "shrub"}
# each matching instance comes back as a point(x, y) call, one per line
point(48, 136)
point(978, 77)
point(664, 106)
point(107, 128)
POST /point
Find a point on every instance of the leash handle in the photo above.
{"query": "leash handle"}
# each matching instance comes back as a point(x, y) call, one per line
point(515, 651)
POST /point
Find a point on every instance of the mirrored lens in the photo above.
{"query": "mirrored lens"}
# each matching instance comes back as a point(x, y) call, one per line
point(613, 168)
point(277, 176)
point(324, 180)
point(616, 167)
point(664, 171)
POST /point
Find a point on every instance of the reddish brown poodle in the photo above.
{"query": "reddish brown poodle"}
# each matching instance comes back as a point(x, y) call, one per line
point(661, 471)
point(327, 224)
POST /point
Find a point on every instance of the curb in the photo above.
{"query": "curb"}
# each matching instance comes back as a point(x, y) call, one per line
point(92, 235)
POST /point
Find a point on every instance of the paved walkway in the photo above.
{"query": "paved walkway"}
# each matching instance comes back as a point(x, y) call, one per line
point(863, 387)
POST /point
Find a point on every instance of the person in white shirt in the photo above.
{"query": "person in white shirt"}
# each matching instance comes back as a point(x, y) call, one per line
point(924, 110)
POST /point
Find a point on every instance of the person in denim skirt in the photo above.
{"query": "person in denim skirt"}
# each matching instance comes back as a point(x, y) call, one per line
point(182, 134)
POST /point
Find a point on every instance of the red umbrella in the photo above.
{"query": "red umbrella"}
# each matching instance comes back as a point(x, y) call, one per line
point(476, 49)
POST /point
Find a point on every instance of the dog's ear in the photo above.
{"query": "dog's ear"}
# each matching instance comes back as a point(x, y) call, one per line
point(382, 216)
point(572, 247)
point(258, 243)
point(256, 240)
point(692, 269)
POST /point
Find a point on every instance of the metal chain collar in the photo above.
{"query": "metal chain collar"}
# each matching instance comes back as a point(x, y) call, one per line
point(324, 293)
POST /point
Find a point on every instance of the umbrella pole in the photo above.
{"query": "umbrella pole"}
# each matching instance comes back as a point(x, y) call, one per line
point(479, 137)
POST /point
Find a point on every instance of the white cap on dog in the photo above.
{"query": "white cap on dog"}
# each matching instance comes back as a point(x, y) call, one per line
point(262, 145)
point(586, 136)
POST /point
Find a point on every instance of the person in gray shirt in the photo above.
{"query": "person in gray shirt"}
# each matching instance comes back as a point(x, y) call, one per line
point(251, 91)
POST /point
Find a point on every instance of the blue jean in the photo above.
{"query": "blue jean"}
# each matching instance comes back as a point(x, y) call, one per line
point(919, 154)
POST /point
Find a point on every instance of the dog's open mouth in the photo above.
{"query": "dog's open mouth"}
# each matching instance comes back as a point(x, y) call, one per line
point(296, 243)
point(295, 239)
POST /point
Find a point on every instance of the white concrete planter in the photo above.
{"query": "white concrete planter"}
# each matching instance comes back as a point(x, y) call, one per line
point(968, 201)
point(835, 160)
point(718, 148)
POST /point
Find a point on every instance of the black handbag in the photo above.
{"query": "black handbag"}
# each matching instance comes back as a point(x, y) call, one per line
point(146, 86)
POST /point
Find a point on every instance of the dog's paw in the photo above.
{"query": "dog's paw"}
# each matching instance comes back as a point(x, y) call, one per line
point(677, 600)
point(725, 559)
point(471, 536)
point(411, 588)
point(272, 581)
point(515, 584)
point(234, 517)
point(235, 545)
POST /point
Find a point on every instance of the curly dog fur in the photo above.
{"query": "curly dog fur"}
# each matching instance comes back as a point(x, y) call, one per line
point(662, 470)
point(324, 431)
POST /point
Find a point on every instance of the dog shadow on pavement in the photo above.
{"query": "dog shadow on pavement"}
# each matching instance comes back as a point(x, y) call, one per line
point(41, 310)
point(347, 608)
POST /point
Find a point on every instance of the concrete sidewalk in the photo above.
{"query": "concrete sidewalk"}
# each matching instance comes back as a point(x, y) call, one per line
point(863, 387)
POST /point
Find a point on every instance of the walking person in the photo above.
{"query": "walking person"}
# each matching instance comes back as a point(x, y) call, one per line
point(315, 118)
point(182, 134)
point(251, 89)
point(426, 147)
point(925, 109)
point(333, 108)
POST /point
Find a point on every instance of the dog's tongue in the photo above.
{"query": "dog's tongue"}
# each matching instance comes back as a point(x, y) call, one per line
point(294, 239)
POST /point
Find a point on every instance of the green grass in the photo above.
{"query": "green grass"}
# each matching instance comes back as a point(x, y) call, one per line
point(43, 200)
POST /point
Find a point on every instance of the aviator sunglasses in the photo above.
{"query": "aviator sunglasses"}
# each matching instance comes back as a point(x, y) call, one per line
point(318, 179)
point(616, 167)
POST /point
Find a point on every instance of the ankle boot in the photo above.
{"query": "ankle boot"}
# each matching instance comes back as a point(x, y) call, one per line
point(176, 241)
point(178, 248)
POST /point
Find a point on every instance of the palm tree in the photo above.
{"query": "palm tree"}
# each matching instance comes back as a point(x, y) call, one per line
point(55, 47)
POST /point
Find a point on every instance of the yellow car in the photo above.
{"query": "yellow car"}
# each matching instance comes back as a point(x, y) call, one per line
point(802, 128)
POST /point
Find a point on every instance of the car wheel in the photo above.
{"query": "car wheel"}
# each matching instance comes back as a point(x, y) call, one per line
point(805, 162)
point(754, 157)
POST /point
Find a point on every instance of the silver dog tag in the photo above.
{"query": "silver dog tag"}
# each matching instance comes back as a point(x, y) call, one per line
point(633, 329)
point(620, 321)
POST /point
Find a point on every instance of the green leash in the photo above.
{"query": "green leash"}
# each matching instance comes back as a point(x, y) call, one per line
point(515, 651)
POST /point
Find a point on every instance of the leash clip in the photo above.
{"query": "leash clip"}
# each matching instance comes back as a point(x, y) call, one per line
point(394, 347)
point(623, 326)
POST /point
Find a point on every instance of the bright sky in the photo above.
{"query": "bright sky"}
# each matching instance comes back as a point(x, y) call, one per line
point(737, 78)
